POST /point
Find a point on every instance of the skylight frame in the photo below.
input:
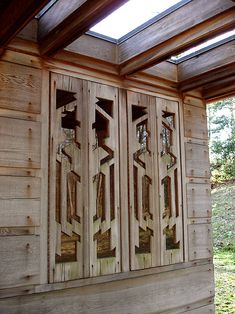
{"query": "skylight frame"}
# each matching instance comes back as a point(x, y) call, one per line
point(142, 26)
point(202, 50)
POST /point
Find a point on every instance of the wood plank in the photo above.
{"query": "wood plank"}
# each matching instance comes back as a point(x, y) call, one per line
point(208, 309)
point(219, 89)
point(20, 144)
point(15, 16)
point(216, 75)
point(195, 122)
point(13, 187)
point(20, 87)
point(82, 17)
point(95, 47)
point(123, 136)
point(200, 241)
point(219, 57)
point(44, 174)
point(143, 295)
point(20, 212)
point(198, 200)
point(19, 263)
point(173, 34)
point(197, 160)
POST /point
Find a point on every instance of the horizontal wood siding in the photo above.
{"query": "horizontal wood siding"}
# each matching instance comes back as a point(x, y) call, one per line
point(20, 175)
point(19, 262)
point(197, 183)
point(159, 293)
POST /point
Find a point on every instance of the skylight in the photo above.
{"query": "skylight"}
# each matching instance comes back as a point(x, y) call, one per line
point(216, 40)
point(130, 16)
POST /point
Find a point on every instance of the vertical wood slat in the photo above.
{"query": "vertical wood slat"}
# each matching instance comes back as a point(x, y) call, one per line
point(103, 154)
point(64, 230)
point(124, 201)
point(144, 248)
point(170, 170)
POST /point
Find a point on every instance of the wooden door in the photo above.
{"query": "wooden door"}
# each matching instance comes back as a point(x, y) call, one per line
point(66, 179)
point(169, 161)
point(104, 213)
point(143, 185)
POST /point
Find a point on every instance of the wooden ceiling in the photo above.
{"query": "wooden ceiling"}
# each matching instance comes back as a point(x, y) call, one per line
point(190, 24)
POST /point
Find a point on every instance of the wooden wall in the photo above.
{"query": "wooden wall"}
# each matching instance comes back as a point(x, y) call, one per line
point(197, 179)
point(186, 287)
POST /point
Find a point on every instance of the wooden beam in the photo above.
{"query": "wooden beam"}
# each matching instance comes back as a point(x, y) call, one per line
point(219, 89)
point(15, 16)
point(210, 66)
point(80, 19)
point(191, 24)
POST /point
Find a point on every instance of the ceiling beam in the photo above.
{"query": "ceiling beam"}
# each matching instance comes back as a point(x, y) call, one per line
point(188, 26)
point(74, 21)
point(210, 66)
point(219, 89)
point(15, 15)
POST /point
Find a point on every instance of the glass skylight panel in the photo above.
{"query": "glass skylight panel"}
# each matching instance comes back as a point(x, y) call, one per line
point(204, 45)
point(130, 16)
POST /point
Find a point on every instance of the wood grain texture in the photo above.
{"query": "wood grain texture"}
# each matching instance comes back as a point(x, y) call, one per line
point(20, 143)
point(219, 57)
point(143, 295)
point(20, 212)
point(197, 160)
point(20, 87)
point(94, 47)
point(174, 33)
point(19, 263)
point(14, 187)
point(199, 200)
point(195, 121)
point(15, 16)
point(208, 309)
point(76, 23)
point(200, 241)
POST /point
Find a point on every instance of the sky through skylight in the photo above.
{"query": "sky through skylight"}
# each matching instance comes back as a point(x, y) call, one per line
point(131, 15)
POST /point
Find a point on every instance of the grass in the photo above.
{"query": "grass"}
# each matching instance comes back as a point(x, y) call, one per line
point(225, 282)
point(223, 221)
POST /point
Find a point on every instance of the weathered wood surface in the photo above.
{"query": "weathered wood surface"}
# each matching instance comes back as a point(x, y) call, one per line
point(20, 88)
point(195, 122)
point(172, 34)
point(144, 295)
point(20, 143)
point(200, 241)
point(198, 197)
point(19, 262)
point(199, 200)
point(15, 16)
point(19, 212)
point(83, 16)
point(95, 47)
point(197, 160)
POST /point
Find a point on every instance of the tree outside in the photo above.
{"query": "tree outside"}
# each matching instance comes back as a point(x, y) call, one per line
point(221, 121)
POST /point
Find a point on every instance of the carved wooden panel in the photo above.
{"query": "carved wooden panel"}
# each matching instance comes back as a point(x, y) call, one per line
point(169, 182)
point(104, 213)
point(66, 198)
point(144, 209)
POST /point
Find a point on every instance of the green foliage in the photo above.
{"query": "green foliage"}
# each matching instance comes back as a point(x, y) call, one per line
point(221, 119)
point(223, 209)
point(223, 219)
